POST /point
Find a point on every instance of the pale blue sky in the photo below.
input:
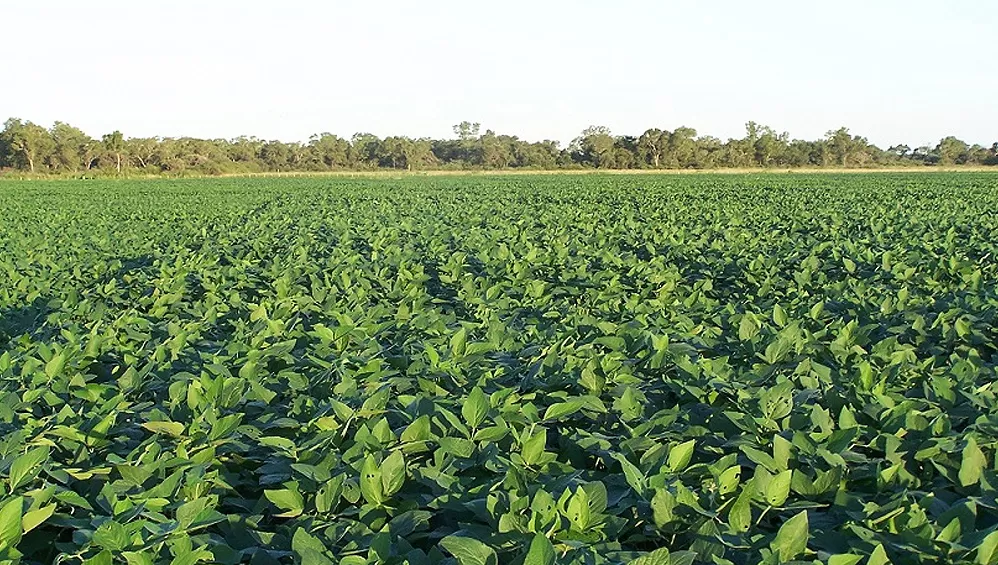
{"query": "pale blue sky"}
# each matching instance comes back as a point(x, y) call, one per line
point(891, 70)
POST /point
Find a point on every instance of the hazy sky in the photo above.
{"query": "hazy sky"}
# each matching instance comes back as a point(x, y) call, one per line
point(894, 71)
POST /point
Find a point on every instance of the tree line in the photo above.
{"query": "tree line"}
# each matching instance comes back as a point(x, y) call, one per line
point(67, 150)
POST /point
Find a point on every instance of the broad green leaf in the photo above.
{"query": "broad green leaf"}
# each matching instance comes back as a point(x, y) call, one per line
point(138, 558)
point(844, 559)
point(533, 447)
point(35, 518)
point(780, 316)
point(541, 552)
point(475, 407)
point(779, 488)
point(987, 551)
point(740, 514)
point(371, 484)
point(392, 473)
point(458, 342)
point(55, 365)
point(680, 455)
point(972, 464)
point(879, 556)
point(635, 478)
point(469, 551)
point(418, 430)
point(657, 557)
point(663, 505)
point(287, 499)
point(562, 409)
point(111, 536)
point(10, 521)
point(188, 512)
point(25, 467)
point(791, 539)
point(173, 429)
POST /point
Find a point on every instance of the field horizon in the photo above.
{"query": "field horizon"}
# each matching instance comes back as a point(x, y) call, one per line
point(395, 174)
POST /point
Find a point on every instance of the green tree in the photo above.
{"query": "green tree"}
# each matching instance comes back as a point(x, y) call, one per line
point(364, 150)
point(952, 151)
point(328, 152)
point(651, 145)
point(276, 156)
point(143, 151)
point(594, 147)
point(497, 152)
point(680, 151)
point(114, 144)
point(28, 144)
point(73, 148)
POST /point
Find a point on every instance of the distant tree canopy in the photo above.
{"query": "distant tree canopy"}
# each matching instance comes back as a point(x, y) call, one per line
point(64, 149)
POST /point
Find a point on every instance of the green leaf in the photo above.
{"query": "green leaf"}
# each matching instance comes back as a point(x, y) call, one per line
point(10, 521)
point(578, 510)
point(533, 447)
point(791, 539)
point(972, 464)
point(55, 365)
point(740, 514)
point(541, 551)
point(663, 506)
point(475, 407)
point(635, 478)
point(844, 559)
point(779, 488)
point(879, 556)
point(138, 558)
point(188, 512)
point(469, 551)
point(192, 557)
point(780, 316)
point(657, 557)
point(103, 558)
point(987, 551)
point(287, 499)
point(747, 328)
point(173, 429)
point(562, 409)
point(35, 518)
point(681, 455)
point(458, 342)
point(111, 536)
point(371, 485)
point(418, 430)
point(25, 467)
point(302, 543)
point(393, 473)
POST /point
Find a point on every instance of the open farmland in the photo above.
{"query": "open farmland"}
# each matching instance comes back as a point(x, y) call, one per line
point(490, 370)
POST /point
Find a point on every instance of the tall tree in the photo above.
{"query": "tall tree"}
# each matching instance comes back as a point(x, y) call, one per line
point(651, 145)
point(364, 150)
point(952, 151)
point(73, 148)
point(594, 147)
point(328, 152)
point(29, 144)
point(143, 150)
point(496, 150)
point(114, 144)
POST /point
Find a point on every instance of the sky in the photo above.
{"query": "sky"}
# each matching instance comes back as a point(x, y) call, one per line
point(893, 71)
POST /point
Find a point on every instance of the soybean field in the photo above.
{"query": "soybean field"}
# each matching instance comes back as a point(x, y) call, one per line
point(486, 370)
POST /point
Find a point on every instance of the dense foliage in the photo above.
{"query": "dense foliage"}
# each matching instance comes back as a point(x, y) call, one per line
point(26, 147)
point(589, 370)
